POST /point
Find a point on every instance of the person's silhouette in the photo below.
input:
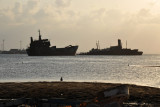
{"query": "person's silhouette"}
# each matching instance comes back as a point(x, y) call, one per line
point(61, 79)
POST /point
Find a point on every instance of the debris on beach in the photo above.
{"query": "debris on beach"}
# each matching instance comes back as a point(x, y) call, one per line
point(112, 97)
point(73, 94)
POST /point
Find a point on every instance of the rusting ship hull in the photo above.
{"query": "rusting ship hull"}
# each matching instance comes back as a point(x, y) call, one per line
point(67, 51)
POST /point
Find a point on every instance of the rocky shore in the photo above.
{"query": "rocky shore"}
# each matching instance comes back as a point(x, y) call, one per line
point(74, 90)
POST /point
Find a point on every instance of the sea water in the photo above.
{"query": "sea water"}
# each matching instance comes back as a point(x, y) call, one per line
point(140, 70)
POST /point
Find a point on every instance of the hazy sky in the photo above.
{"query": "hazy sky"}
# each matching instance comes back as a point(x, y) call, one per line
point(82, 22)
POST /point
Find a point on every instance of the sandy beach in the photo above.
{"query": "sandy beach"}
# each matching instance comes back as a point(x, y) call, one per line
point(74, 90)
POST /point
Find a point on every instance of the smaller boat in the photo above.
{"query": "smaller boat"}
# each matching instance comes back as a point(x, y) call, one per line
point(113, 50)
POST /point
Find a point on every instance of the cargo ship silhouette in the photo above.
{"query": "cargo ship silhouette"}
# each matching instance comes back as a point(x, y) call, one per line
point(42, 47)
point(113, 50)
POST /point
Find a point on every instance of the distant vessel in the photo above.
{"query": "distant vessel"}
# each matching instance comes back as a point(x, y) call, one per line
point(14, 51)
point(113, 50)
point(42, 47)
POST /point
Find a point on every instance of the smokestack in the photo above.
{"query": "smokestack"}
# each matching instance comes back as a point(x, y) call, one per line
point(119, 43)
point(31, 40)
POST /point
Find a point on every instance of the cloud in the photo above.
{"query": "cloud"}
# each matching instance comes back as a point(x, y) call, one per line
point(40, 14)
point(63, 3)
point(153, 2)
point(17, 8)
point(31, 7)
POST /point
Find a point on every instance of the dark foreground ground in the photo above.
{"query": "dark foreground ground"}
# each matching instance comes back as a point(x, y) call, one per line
point(74, 90)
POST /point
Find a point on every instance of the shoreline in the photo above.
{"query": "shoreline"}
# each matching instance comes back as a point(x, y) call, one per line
point(74, 90)
point(78, 81)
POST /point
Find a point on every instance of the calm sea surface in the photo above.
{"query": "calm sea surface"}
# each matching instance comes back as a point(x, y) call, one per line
point(109, 69)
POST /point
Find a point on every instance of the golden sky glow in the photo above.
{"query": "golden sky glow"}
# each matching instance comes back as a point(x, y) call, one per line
point(82, 22)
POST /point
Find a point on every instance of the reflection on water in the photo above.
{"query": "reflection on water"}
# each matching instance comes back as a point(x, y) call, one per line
point(141, 70)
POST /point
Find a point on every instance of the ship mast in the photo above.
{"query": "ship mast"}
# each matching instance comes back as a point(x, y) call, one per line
point(20, 45)
point(39, 34)
point(3, 44)
point(126, 44)
point(97, 44)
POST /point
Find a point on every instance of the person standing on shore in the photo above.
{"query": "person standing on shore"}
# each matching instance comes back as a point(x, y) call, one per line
point(61, 79)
